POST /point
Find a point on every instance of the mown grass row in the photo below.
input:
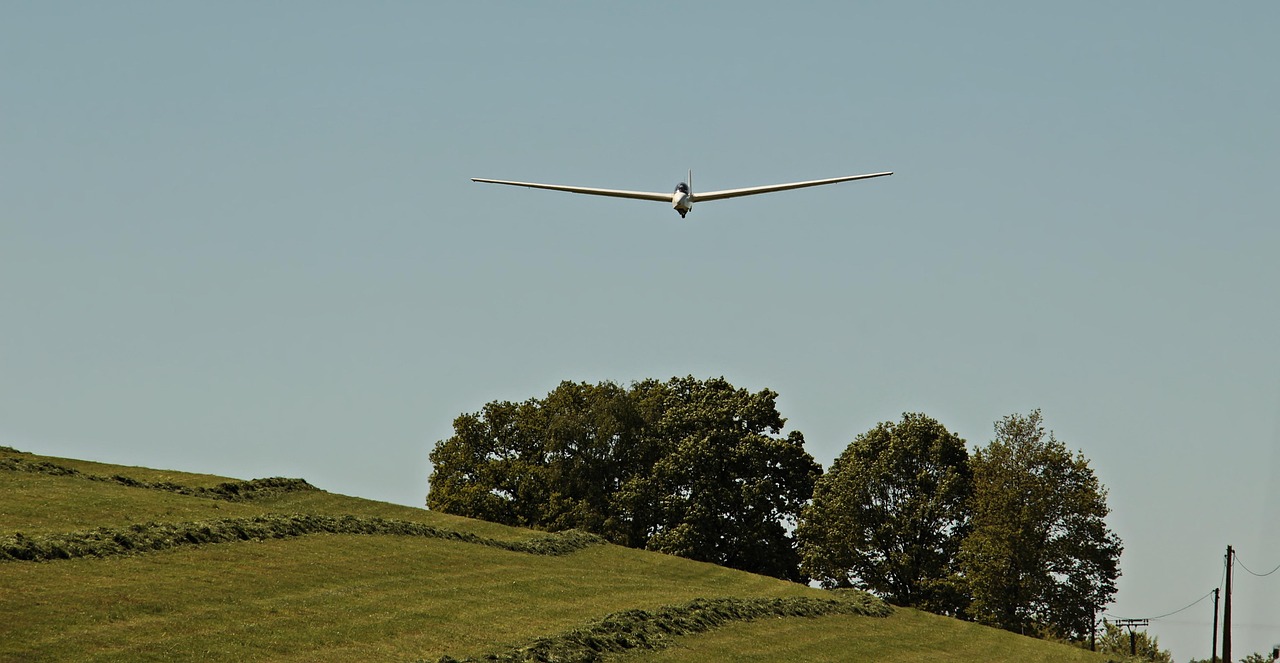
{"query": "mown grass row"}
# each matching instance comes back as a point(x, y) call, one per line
point(231, 491)
point(152, 537)
point(635, 630)
point(906, 636)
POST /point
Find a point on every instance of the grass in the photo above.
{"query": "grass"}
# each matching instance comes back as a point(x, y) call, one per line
point(104, 469)
point(905, 636)
point(342, 597)
point(38, 503)
point(325, 597)
point(621, 632)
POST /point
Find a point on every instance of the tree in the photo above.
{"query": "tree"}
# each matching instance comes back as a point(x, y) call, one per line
point(890, 514)
point(689, 467)
point(725, 485)
point(1040, 558)
point(542, 463)
point(1116, 640)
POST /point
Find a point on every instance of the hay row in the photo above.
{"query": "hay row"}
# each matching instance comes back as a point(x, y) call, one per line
point(231, 491)
point(152, 537)
point(644, 630)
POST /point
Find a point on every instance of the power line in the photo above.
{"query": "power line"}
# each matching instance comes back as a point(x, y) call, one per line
point(1188, 607)
point(1260, 575)
point(1232, 558)
point(1115, 618)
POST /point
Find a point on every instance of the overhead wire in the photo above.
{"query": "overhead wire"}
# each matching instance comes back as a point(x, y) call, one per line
point(1188, 606)
point(1223, 581)
point(1170, 614)
point(1252, 573)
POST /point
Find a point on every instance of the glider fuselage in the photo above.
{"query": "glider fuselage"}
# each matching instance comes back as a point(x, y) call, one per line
point(682, 199)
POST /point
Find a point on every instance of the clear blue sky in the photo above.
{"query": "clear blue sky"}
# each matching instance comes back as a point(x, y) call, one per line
point(240, 238)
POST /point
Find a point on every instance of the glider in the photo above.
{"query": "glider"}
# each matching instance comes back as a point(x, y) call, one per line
point(683, 198)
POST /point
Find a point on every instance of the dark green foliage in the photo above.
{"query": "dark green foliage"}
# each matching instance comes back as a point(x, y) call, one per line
point(724, 484)
point(689, 467)
point(1013, 536)
point(1040, 557)
point(890, 514)
point(649, 630)
point(549, 464)
point(232, 491)
point(151, 537)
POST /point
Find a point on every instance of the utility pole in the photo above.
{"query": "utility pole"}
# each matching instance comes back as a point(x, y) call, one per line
point(1226, 608)
point(1213, 657)
point(1133, 636)
point(1093, 628)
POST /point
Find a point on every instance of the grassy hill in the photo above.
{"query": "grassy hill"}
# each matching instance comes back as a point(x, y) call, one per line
point(102, 562)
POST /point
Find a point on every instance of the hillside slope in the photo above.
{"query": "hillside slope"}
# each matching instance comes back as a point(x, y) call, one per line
point(279, 570)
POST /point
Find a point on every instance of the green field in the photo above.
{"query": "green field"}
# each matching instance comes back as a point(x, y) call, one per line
point(906, 635)
point(376, 597)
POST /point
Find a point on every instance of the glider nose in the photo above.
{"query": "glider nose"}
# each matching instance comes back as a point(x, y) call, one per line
point(680, 202)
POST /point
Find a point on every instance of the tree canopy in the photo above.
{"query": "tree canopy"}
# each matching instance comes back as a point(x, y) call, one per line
point(1013, 535)
point(890, 514)
point(1040, 558)
point(696, 468)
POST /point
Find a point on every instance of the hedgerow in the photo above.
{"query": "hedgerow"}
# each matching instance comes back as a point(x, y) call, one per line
point(231, 491)
point(642, 629)
point(150, 537)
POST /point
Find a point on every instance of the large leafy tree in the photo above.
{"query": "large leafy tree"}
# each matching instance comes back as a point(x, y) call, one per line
point(890, 514)
point(1040, 558)
point(691, 467)
point(549, 463)
point(724, 485)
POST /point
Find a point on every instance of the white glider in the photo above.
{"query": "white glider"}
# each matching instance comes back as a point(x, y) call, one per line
point(683, 198)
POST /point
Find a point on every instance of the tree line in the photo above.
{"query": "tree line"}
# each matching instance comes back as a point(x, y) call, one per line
point(1012, 535)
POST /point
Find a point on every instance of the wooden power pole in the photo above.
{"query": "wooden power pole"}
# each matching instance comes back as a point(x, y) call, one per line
point(1213, 657)
point(1226, 608)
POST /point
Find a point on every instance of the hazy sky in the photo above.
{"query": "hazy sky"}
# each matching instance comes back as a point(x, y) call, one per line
point(239, 238)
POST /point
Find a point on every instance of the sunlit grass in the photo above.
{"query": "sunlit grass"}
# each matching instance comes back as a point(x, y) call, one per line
point(313, 597)
point(332, 597)
point(139, 473)
point(905, 636)
point(36, 503)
